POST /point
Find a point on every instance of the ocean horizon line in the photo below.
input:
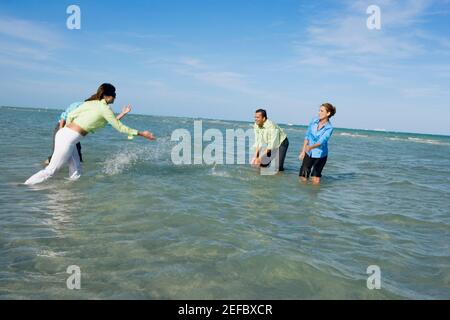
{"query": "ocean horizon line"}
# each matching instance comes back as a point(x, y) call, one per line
point(380, 130)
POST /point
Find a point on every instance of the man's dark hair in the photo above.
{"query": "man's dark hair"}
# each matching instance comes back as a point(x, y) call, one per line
point(263, 112)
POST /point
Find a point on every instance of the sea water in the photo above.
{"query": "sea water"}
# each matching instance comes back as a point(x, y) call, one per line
point(140, 227)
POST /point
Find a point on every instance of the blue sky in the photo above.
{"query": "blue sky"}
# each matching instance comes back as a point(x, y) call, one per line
point(222, 59)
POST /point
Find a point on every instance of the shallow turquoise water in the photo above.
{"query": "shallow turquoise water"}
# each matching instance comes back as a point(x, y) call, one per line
point(141, 227)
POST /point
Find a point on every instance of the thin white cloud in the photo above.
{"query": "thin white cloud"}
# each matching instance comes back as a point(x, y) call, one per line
point(191, 62)
point(436, 40)
point(214, 76)
point(29, 31)
point(18, 50)
point(343, 43)
point(421, 92)
point(223, 79)
point(29, 45)
point(348, 34)
point(396, 13)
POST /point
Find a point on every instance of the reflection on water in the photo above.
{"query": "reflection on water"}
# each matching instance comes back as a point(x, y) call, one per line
point(61, 204)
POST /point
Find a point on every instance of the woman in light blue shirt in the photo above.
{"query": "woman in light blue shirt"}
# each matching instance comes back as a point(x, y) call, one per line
point(315, 146)
point(59, 125)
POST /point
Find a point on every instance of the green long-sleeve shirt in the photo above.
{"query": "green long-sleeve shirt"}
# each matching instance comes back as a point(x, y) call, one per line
point(93, 115)
point(270, 134)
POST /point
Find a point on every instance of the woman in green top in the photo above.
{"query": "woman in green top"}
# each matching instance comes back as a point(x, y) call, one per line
point(93, 114)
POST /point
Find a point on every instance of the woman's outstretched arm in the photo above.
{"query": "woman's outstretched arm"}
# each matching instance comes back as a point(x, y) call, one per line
point(108, 115)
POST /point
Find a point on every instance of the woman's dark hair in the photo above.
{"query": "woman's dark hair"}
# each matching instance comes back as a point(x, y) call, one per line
point(330, 108)
point(106, 89)
point(263, 112)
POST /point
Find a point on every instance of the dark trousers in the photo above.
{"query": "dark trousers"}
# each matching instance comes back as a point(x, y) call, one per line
point(279, 152)
point(53, 146)
point(316, 164)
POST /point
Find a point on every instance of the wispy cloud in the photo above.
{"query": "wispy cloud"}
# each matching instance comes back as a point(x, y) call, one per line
point(191, 62)
point(29, 31)
point(37, 48)
point(421, 92)
point(396, 13)
point(19, 50)
point(209, 75)
point(348, 35)
point(27, 45)
point(343, 43)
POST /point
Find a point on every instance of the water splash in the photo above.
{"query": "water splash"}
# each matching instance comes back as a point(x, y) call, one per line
point(159, 151)
point(120, 162)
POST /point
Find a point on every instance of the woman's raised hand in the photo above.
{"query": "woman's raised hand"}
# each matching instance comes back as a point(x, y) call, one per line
point(126, 109)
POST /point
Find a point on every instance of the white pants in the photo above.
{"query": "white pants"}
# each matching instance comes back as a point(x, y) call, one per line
point(65, 152)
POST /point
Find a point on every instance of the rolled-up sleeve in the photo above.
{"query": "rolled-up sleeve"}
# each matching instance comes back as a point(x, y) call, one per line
point(109, 116)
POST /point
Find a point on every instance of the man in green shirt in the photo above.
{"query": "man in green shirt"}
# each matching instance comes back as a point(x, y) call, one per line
point(269, 133)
